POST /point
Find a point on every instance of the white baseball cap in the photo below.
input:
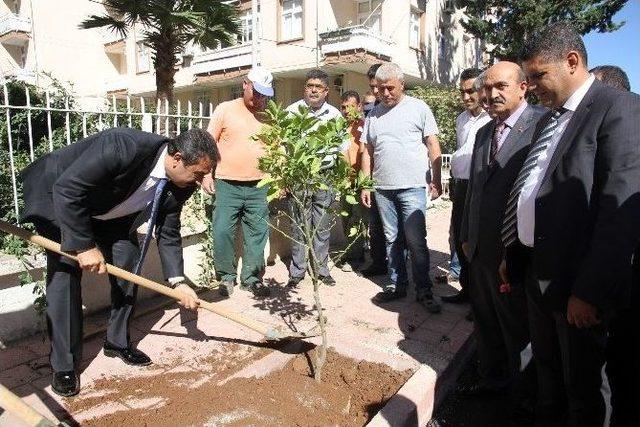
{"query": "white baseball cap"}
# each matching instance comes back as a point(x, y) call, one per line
point(262, 80)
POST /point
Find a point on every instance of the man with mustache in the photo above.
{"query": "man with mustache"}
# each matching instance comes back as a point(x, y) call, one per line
point(500, 322)
point(316, 89)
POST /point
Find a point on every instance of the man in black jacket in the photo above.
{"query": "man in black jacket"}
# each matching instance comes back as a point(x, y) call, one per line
point(571, 223)
point(91, 196)
point(500, 319)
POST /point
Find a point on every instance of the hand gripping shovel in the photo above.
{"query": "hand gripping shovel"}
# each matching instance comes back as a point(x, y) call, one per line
point(269, 332)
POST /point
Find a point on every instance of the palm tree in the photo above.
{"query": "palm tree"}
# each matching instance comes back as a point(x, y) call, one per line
point(167, 27)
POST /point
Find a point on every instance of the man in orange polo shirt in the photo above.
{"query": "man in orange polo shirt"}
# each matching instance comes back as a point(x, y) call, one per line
point(238, 198)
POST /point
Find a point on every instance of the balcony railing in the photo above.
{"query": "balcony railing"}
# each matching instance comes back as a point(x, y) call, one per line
point(14, 28)
point(117, 84)
point(354, 38)
point(20, 74)
point(109, 36)
point(223, 59)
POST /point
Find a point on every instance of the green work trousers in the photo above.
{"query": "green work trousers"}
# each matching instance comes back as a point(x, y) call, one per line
point(240, 201)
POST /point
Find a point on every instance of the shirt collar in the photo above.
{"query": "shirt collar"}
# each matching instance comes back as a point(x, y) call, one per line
point(320, 111)
point(158, 171)
point(473, 118)
point(513, 118)
point(576, 98)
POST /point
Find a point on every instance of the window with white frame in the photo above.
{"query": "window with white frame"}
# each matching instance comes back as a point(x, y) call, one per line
point(143, 58)
point(369, 14)
point(414, 29)
point(246, 21)
point(291, 20)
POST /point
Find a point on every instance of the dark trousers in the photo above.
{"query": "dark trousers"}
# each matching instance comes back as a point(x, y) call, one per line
point(315, 213)
point(568, 361)
point(623, 359)
point(64, 296)
point(377, 245)
point(500, 324)
point(459, 189)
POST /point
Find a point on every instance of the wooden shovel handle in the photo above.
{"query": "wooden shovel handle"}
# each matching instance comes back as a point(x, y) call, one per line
point(13, 404)
point(52, 246)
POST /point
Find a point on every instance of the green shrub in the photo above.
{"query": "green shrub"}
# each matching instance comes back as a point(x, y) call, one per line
point(445, 103)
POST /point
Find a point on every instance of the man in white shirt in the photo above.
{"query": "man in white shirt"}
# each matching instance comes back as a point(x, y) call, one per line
point(571, 224)
point(467, 124)
point(316, 90)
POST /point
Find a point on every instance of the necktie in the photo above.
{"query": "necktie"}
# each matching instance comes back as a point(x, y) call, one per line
point(497, 134)
point(152, 222)
point(509, 232)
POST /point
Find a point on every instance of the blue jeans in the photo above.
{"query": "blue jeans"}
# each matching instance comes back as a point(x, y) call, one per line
point(454, 265)
point(405, 209)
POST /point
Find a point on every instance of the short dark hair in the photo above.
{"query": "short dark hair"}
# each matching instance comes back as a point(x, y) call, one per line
point(613, 76)
point(470, 73)
point(194, 144)
point(554, 42)
point(371, 73)
point(350, 94)
point(318, 74)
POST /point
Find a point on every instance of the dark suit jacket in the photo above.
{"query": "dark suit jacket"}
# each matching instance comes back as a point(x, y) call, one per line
point(587, 217)
point(489, 185)
point(71, 185)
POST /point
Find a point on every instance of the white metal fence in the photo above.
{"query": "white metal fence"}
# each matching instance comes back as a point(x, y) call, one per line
point(122, 111)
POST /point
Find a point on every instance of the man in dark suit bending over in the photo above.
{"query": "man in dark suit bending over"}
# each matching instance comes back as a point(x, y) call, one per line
point(571, 223)
point(91, 196)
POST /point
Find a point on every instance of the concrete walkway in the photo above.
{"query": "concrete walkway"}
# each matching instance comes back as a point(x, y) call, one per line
point(400, 334)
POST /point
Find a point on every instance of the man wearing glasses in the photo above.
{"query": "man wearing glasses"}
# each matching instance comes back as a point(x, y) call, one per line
point(315, 94)
point(238, 198)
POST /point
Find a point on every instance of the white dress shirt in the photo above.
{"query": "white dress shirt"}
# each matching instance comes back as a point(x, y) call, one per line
point(325, 113)
point(527, 199)
point(140, 198)
point(467, 126)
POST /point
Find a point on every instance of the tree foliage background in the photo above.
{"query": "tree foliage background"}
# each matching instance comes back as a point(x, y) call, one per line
point(445, 103)
point(506, 24)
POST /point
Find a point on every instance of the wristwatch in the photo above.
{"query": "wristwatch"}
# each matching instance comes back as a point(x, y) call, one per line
point(174, 282)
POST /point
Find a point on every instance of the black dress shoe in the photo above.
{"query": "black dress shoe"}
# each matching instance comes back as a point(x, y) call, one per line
point(226, 288)
point(458, 298)
point(478, 389)
point(258, 289)
point(327, 280)
point(389, 296)
point(65, 383)
point(373, 270)
point(294, 281)
point(129, 355)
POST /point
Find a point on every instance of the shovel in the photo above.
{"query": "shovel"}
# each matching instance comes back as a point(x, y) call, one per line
point(270, 333)
point(16, 406)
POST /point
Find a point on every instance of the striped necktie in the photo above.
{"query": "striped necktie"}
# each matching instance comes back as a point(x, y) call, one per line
point(509, 232)
point(152, 222)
